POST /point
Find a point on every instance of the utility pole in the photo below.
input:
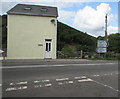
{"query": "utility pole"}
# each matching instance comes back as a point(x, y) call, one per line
point(106, 35)
point(106, 38)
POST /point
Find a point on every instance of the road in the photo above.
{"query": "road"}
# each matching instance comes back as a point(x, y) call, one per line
point(61, 79)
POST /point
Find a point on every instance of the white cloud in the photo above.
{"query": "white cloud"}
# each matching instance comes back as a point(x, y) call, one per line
point(112, 29)
point(66, 16)
point(92, 20)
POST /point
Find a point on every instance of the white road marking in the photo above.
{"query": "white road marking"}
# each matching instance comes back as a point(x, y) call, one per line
point(81, 77)
point(70, 82)
point(105, 74)
point(24, 87)
point(11, 89)
point(106, 85)
point(16, 88)
point(19, 83)
point(0, 85)
point(111, 73)
point(22, 83)
point(45, 80)
point(62, 79)
point(36, 86)
point(12, 84)
point(36, 81)
point(60, 83)
point(96, 75)
point(61, 65)
point(48, 85)
point(85, 80)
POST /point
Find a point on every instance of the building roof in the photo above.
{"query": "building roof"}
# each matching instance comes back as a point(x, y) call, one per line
point(25, 9)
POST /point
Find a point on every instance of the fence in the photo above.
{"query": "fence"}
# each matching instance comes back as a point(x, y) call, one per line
point(74, 54)
point(86, 55)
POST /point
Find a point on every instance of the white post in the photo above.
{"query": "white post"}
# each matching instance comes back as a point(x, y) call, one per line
point(81, 53)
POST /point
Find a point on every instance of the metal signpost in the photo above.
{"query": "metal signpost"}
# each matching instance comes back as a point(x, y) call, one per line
point(103, 44)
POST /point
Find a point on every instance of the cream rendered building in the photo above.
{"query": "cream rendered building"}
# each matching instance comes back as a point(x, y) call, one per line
point(32, 32)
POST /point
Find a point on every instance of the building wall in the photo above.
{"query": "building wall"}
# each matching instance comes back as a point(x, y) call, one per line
point(26, 32)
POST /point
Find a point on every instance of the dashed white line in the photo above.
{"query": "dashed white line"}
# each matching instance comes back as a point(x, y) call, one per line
point(60, 83)
point(82, 77)
point(48, 85)
point(0, 85)
point(19, 83)
point(85, 80)
point(111, 73)
point(16, 88)
point(96, 75)
point(45, 80)
point(12, 84)
point(105, 74)
point(36, 81)
point(62, 79)
point(70, 82)
point(36, 86)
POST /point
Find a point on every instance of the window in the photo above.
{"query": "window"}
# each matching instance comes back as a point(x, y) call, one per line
point(27, 8)
point(46, 46)
point(43, 9)
point(49, 46)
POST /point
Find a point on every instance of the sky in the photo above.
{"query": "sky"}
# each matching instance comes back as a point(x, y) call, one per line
point(84, 15)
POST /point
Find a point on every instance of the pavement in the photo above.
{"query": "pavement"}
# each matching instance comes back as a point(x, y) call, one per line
point(19, 62)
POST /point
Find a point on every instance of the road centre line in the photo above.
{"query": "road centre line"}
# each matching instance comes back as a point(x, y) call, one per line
point(81, 77)
point(60, 65)
point(62, 79)
point(85, 80)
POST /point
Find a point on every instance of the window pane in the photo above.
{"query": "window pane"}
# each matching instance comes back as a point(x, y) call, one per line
point(49, 46)
point(46, 46)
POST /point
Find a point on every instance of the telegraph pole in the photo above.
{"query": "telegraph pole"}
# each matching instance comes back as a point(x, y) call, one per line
point(106, 35)
point(106, 38)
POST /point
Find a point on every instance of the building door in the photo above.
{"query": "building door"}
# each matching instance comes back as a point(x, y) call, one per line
point(48, 48)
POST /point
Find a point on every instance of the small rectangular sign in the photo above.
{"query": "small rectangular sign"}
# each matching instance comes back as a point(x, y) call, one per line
point(101, 43)
point(101, 50)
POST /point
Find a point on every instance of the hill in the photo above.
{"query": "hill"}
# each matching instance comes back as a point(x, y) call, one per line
point(74, 40)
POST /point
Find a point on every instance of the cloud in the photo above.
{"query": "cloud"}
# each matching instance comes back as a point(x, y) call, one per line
point(66, 16)
point(112, 29)
point(92, 20)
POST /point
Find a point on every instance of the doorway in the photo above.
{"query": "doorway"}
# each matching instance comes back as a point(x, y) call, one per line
point(48, 48)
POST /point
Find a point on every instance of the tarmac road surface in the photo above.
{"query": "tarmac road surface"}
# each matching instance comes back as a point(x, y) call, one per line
point(61, 79)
